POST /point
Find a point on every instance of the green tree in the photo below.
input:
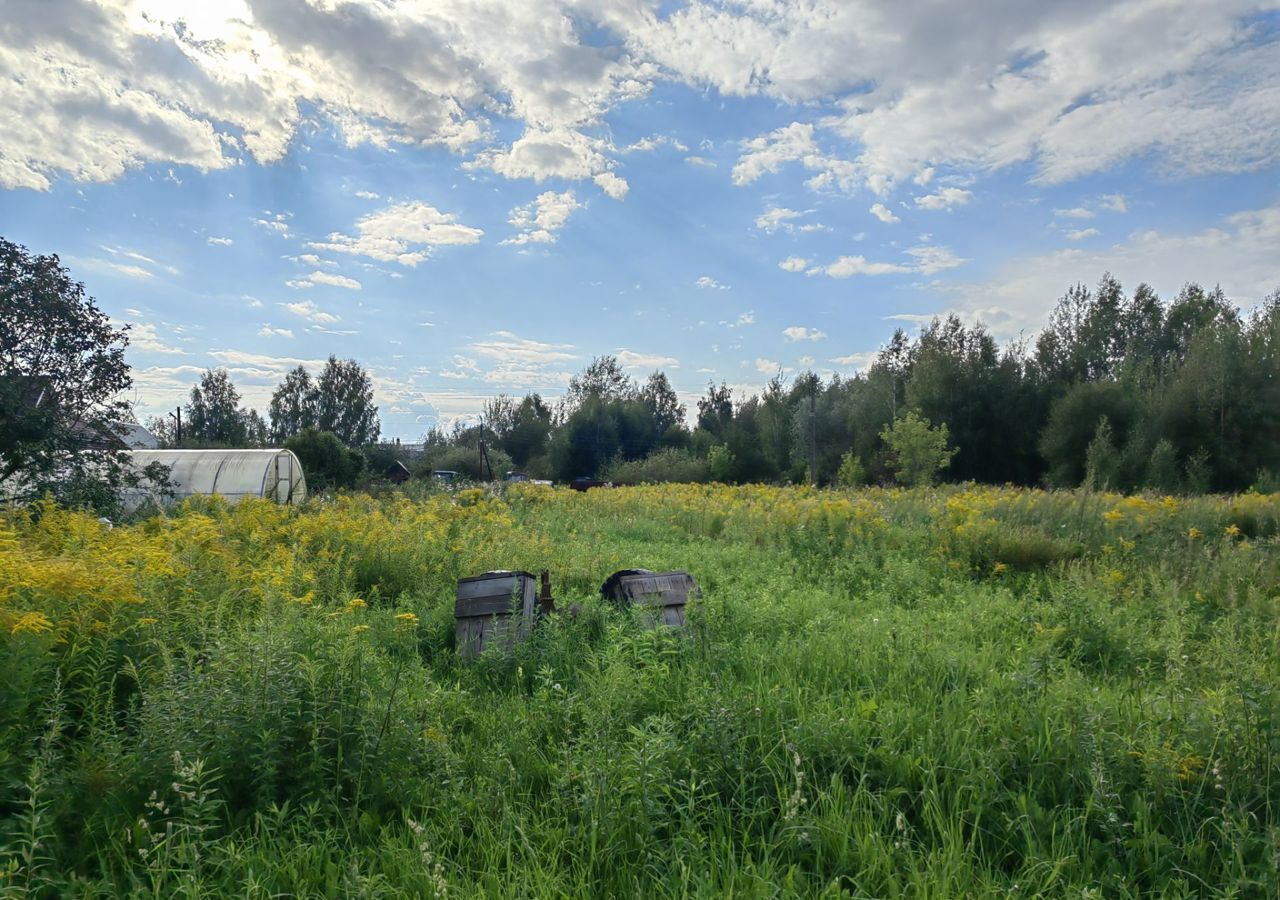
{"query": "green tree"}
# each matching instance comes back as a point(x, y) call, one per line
point(664, 407)
point(1162, 468)
point(851, 473)
point(919, 449)
point(293, 405)
point(344, 403)
point(212, 416)
point(62, 371)
point(1101, 459)
point(720, 461)
point(326, 462)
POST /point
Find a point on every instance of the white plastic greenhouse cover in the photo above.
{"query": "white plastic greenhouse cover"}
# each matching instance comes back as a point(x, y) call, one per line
point(235, 474)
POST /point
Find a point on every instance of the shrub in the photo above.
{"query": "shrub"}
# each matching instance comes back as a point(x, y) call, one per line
point(919, 449)
point(668, 465)
point(325, 460)
point(851, 472)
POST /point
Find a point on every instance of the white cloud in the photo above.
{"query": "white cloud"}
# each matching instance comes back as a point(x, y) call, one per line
point(706, 282)
point(312, 313)
point(508, 347)
point(143, 336)
point(847, 266)
point(269, 330)
point(632, 360)
point(1238, 253)
point(650, 144)
point(926, 259)
point(1065, 89)
point(368, 195)
point(775, 217)
point(220, 241)
point(612, 185)
point(800, 333)
point(768, 366)
point(857, 361)
point(1081, 233)
point(746, 318)
point(794, 264)
point(276, 222)
point(540, 220)
point(1078, 212)
point(944, 198)
point(318, 277)
point(1114, 203)
point(884, 214)
point(404, 233)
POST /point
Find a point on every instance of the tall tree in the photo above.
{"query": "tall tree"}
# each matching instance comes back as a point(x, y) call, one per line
point(213, 413)
point(660, 399)
point(62, 370)
point(604, 380)
point(293, 405)
point(344, 403)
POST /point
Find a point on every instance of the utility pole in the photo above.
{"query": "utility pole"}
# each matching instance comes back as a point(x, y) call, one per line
point(178, 437)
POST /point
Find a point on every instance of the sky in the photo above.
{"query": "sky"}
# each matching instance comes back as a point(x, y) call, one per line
point(473, 197)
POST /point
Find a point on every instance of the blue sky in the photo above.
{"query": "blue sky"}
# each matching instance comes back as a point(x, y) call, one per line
point(478, 197)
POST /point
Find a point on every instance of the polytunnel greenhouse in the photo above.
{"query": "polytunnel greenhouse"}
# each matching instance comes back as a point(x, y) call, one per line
point(235, 474)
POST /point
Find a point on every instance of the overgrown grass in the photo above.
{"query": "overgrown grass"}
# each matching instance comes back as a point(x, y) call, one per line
point(961, 692)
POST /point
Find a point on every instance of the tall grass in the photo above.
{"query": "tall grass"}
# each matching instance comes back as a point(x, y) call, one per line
point(960, 692)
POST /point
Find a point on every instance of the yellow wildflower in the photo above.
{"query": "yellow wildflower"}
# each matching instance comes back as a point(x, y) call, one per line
point(360, 629)
point(33, 622)
point(1195, 533)
point(1232, 530)
point(1000, 568)
point(1113, 515)
point(407, 620)
point(356, 603)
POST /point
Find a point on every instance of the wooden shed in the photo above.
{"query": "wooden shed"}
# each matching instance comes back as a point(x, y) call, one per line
point(493, 608)
point(665, 594)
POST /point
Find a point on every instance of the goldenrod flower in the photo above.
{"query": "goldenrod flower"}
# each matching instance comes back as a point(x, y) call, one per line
point(1000, 568)
point(407, 620)
point(356, 603)
point(1232, 530)
point(1195, 533)
point(33, 622)
point(359, 629)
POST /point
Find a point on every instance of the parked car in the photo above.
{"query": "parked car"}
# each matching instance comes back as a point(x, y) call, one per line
point(448, 476)
point(586, 483)
point(515, 476)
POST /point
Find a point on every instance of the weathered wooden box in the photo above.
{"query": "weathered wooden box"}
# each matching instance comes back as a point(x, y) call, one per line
point(494, 608)
point(663, 594)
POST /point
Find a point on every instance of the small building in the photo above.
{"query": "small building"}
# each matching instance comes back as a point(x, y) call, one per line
point(235, 474)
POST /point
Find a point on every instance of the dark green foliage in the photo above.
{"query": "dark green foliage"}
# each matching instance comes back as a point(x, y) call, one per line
point(62, 370)
point(327, 463)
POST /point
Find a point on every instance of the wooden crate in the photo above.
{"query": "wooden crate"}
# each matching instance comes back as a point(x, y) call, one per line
point(663, 594)
point(495, 608)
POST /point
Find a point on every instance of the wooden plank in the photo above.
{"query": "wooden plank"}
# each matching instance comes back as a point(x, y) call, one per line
point(503, 605)
point(505, 585)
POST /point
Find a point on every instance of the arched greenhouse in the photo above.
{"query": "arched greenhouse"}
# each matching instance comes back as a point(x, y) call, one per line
point(235, 474)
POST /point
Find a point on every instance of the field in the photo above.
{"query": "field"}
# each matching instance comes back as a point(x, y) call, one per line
point(949, 693)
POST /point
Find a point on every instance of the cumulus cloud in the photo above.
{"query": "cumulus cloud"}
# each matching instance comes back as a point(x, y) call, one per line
point(945, 198)
point(794, 264)
point(318, 277)
point(1066, 89)
point(800, 333)
point(404, 233)
point(143, 336)
point(884, 214)
point(220, 241)
point(312, 313)
point(630, 359)
point(707, 283)
point(539, 221)
point(269, 330)
point(776, 217)
point(926, 259)
point(1236, 252)
point(1080, 234)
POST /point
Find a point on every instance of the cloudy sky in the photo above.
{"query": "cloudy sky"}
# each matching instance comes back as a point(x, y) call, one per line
point(477, 196)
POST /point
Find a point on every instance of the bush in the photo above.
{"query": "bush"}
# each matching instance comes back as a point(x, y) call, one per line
point(720, 462)
point(327, 463)
point(463, 460)
point(919, 449)
point(669, 465)
point(851, 472)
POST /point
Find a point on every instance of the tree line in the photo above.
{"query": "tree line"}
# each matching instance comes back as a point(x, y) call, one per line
point(1120, 391)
